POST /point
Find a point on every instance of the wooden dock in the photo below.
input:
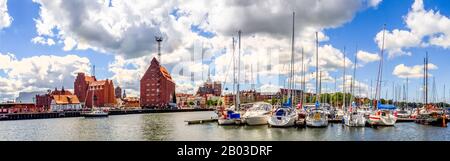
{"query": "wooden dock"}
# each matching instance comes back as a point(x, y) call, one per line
point(399, 120)
point(48, 115)
point(201, 121)
point(334, 120)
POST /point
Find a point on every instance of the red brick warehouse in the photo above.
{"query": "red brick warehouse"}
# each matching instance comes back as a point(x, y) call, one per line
point(103, 91)
point(157, 87)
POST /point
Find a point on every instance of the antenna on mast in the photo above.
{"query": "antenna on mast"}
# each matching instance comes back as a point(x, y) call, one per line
point(159, 39)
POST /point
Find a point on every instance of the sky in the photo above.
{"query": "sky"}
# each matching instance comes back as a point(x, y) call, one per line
point(44, 43)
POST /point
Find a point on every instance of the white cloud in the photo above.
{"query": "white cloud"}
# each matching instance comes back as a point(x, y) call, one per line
point(43, 41)
point(374, 3)
point(5, 18)
point(416, 71)
point(38, 73)
point(366, 57)
point(424, 28)
point(396, 41)
point(127, 30)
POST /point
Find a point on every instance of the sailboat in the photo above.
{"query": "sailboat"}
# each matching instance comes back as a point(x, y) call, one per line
point(353, 117)
point(232, 115)
point(95, 112)
point(383, 115)
point(429, 114)
point(286, 115)
point(258, 114)
point(318, 116)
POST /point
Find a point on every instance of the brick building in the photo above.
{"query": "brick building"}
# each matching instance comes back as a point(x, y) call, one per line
point(118, 92)
point(88, 89)
point(209, 87)
point(81, 85)
point(157, 87)
point(45, 100)
point(13, 107)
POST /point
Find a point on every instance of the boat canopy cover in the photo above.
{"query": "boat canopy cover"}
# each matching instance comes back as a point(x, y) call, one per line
point(288, 103)
point(387, 107)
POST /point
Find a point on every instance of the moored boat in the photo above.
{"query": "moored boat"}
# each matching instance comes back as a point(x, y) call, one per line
point(316, 117)
point(258, 114)
point(283, 117)
point(385, 115)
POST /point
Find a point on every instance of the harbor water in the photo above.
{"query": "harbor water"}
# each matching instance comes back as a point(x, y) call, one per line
point(171, 126)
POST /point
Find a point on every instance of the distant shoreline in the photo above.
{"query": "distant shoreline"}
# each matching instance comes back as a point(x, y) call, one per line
point(49, 115)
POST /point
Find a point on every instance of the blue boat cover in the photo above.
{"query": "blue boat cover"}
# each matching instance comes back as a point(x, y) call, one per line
point(385, 106)
point(288, 103)
point(279, 113)
point(235, 116)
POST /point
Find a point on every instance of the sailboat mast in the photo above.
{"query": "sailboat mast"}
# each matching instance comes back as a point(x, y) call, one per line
point(343, 83)
point(292, 57)
point(234, 69)
point(317, 69)
point(352, 88)
point(303, 78)
point(380, 70)
point(238, 101)
point(426, 78)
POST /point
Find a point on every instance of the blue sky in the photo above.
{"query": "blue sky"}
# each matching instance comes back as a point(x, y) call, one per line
point(360, 30)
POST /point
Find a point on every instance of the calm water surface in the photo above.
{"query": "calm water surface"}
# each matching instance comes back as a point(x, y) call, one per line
point(171, 126)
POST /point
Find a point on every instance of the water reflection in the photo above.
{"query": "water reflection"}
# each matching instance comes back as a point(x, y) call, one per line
point(171, 126)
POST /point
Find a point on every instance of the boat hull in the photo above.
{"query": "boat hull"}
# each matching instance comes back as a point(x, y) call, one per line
point(382, 120)
point(257, 120)
point(282, 121)
point(317, 123)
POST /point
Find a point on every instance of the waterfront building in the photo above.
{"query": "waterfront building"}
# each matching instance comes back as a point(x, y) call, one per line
point(182, 100)
point(58, 100)
point(157, 87)
point(209, 87)
point(81, 85)
point(88, 89)
point(28, 97)
point(118, 92)
point(248, 96)
point(65, 103)
point(14, 107)
point(130, 103)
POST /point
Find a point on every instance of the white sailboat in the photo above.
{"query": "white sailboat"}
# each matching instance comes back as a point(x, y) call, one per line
point(232, 115)
point(283, 117)
point(95, 112)
point(383, 115)
point(353, 117)
point(317, 116)
point(258, 114)
point(286, 115)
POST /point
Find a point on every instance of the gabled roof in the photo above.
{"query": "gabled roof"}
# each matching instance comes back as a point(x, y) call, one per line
point(98, 83)
point(66, 99)
point(164, 72)
point(89, 78)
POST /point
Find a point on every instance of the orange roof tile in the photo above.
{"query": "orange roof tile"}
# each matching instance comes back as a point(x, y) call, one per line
point(66, 99)
point(98, 83)
point(89, 78)
point(165, 73)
